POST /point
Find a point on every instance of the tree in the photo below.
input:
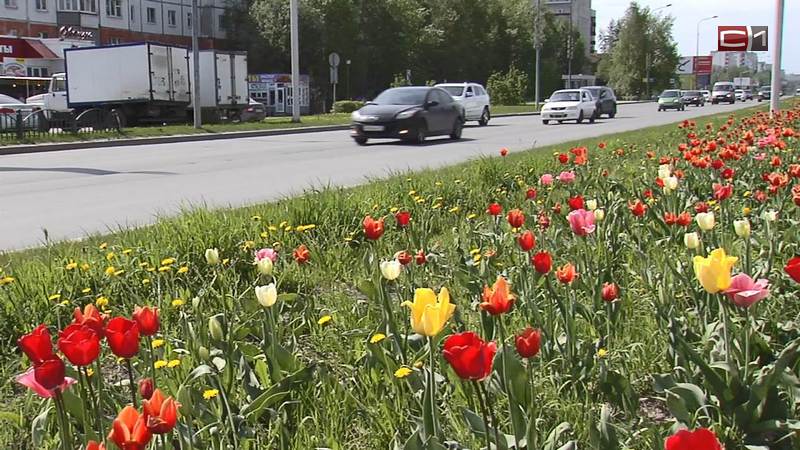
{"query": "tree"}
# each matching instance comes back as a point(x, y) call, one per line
point(644, 56)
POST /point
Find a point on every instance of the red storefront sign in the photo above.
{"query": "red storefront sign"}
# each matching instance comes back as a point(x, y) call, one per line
point(702, 65)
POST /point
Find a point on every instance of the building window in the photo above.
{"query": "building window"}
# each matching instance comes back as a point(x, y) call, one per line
point(221, 22)
point(86, 6)
point(151, 15)
point(172, 18)
point(41, 5)
point(114, 41)
point(133, 14)
point(12, 32)
point(11, 3)
point(37, 72)
point(189, 20)
point(114, 8)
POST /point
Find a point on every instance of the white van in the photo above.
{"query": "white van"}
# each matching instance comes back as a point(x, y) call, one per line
point(723, 91)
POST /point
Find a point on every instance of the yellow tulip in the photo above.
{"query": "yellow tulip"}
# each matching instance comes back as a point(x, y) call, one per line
point(429, 314)
point(714, 272)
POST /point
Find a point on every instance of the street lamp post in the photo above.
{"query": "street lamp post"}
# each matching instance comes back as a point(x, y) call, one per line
point(295, 60)
point(774, 99)
point(348, 79)
point(537, 43)
point(697, 44)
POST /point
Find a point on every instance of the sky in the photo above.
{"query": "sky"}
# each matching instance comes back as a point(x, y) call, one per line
point(730, 12)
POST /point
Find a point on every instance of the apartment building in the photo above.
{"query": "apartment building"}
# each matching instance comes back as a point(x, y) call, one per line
point(582, 16)
point(725, 60)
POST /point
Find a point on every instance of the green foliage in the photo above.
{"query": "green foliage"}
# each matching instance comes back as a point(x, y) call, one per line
point(399, 80)
point(347, 106)
point(507, 88)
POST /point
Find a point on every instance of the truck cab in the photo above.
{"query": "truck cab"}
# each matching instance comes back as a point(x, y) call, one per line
point(55, 101)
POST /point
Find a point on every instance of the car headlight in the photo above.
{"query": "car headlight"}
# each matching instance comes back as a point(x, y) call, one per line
point(407, 114)
point(356, 116)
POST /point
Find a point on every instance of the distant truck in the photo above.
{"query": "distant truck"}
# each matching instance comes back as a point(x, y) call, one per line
point(146, 82)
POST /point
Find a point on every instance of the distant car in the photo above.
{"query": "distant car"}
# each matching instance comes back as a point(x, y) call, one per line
point(473, 97)
point(671, 99)
point(693, 98)
point(765, 93)
point(797, 92)
point(255, 112)
point(747, 94)
point(706, 95)
point(410, 113)
point(723, 91)
point(606, 100)
point(570, 104)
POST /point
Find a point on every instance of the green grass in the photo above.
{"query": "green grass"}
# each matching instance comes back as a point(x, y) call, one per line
point(513, 109)
point(343, 394)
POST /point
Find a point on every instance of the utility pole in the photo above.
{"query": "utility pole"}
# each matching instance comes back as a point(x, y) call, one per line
point(774, 98)
point(295, 60)
point(537, 43)
point(569, 48)
point(196, 64)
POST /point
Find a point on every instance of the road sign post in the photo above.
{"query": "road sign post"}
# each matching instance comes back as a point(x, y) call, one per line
point(333, 62)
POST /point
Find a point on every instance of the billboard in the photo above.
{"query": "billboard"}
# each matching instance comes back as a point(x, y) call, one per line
point(702, 65)
point(685, 65)
point(741, 38)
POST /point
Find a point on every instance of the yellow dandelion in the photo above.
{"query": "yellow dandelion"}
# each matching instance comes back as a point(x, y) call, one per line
point(54, 297)
point(110, 256)
point(476, 258)
point(255, 218)
point(65, 302)
point(174, 363)
point(6, 280)
point(119, 272)
point(264, 234)
point(160, 364)
point(711, 202)
point(394, 209)
point(86, 290)
point(438, 183)
point(454, 209)
point(412, 193)
point(183, 269)
point(208, 394)
point(85, 267)
point(72, 265)
point(101, 301)
point(747, 194)
point(403, 372)
point(420, 200)
point(474, 251)
point(310, 226)
point(157, 343)
point(746, 211)
point(104, 246)
point(164, 269)
point(272, 228)
point(436, 206)
point(283, 224)
point(377, 337)
point(288, 228)
point(167, 261)
point(472, 216)
point(226, 261)
point(602, 353)
point(144, 264)
point(127, 251)
point(419, 365)
point(177, 303)
point(146, 281)
point(110, 270)
point(324, 320)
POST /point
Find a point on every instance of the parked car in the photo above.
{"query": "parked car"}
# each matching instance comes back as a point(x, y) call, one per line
point(723, 91)
point(606, 100)
point(671, 99)
point(740, 95)
point(410, 113)
point(255, 112)
point(9, 106)
point(570, 104)
point(747, 94)
point(473, 97)
point(693, 98)
point(797, 92)
point(765, 93)
point(706, 95)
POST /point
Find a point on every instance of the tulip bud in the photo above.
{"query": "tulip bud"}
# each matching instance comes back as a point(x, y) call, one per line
point(591, 205)
point(705, 221)
point(391, 269)
point(609, 292)
point(771, 215)
point(692, 240)
point(742, 228)
point(265, 266)
point(203, 353)
point(267, 295)
point(664, 171)
point(212, 256)
point(215, 328)
point(599, 215)
point(146, 388)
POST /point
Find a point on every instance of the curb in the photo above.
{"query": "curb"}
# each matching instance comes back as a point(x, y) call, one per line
point(81, 145)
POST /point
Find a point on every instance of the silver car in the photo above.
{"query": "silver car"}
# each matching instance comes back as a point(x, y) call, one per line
point(473, 97)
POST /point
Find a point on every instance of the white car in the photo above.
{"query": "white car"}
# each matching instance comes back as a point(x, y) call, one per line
point(9, 106)
point(706, 95)
point(739, 95)
point(473, 97)
point(570, 104)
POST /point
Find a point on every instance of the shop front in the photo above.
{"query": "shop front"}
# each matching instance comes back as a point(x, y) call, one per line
point(274, 91)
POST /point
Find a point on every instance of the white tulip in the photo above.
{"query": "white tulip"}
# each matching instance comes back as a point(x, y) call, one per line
point(664, 171)
point(742, 228)
point(267, 295)
point(591, 205)
point(670, 183)
point(391, 269)
point(705, 221)
point(692, 240)
point(771, 215)
point(265, 266)
point(212, 256)
point(599, 215)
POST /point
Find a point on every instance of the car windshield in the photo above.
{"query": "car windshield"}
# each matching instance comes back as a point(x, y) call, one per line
point(691, 93)
point(455, 91)
point(7, 99)
point(595, 92)
point(723, 87)
point(766, 89)
point(670, 93)
point(59, 84)
point(566, 96)
point(402, 96)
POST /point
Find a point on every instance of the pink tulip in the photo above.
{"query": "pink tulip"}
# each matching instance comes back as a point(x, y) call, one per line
point(744, 292)
point(760, 157)
point(581, 221)
point(768, 141)
point(265, 253)
point(546, 180)
point(566, 177)
point(28, 379)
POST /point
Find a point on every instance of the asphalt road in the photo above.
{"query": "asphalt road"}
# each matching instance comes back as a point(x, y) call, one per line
point(73, 193)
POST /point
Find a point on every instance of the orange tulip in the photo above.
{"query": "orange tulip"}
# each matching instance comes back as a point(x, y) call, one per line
point(162, 413)
point(566, 273)
point(129, 430)
point(498, 299)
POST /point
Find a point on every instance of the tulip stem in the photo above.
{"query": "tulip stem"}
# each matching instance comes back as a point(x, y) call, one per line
point(491, 413)
point(531, 420)
point(94, 400)
point(746, 342)
point(432, 383)
point(130, 382)
point(482, 405)
point(66, 438)
point(99, 409)
point(506, 384)
point(151, 354)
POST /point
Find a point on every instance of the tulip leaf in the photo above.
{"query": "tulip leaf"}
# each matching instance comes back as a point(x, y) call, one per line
point(555, 436)
point(39, 427)
point(368, 289)
point(198, 372)
point(414, 442)
point(276, 393)
point(249, 350)
point(12, 418)
point(683, 400)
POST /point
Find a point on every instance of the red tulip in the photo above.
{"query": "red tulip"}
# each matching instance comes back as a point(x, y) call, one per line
point(670, 218)
point(50, 372)
point(494, 209)
point(575, 202)
point(793, 268)
point(566, 273)
point(147, 319)
point(728, 173)
point(699, 439)
point(503, 151)
point(638, 208)
point(684, 219)
point(722, 192)
point(498, 299)
point(402, 218)
point(531, 193)
point(421, 258)
point(93, 445)
point(542, 262)
point(526, 241)
point(28, 379)
point(563, 158)
point(161, 413)
point(528, 342)
point(129, 430)
point(700, 207)
point(717, 164)
point(79, 344)
point(37, 344)
point(123, 337)
point(544, 221)
point(301, 254)
point(610, 292)
point(373, 229)
point(90, 317)
point(146, 387)
point(516, 218)
point(403, 257)
point(469, 356)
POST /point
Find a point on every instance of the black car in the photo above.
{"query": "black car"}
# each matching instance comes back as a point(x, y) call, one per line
point(410, 113)
point(693, 98)
point(606, 100)
point(765, 93)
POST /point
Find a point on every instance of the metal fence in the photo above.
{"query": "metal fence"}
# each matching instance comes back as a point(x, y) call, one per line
point(22, 125)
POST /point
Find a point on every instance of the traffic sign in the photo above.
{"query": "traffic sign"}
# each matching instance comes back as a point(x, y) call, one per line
point(333, 59)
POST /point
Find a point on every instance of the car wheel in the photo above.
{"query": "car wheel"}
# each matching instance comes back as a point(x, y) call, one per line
point(560, 121)
point(458, 127)
point(421, 135)
point(580, 117)
point(361, 140)
point(612, 113)
point(594, 116)
point(659, 109)
point(485, 116)
point(545, 121)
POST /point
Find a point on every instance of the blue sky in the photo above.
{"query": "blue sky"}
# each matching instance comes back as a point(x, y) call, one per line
point(730, 12)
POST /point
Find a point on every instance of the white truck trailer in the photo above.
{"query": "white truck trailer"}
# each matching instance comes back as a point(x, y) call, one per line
point(223, 83)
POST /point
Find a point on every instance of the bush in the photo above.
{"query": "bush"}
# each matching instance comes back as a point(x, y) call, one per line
point(347, 106)
point(507, 88)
